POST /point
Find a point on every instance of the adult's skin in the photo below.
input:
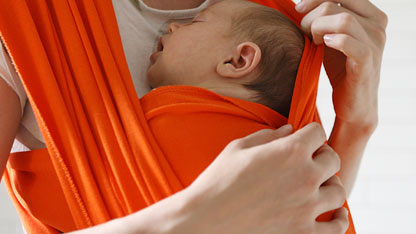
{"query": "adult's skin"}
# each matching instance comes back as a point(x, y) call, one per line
point(354, 33)
point(275, 186)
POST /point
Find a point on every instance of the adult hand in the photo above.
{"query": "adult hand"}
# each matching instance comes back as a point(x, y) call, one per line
point(354, 35)
point(268, 182)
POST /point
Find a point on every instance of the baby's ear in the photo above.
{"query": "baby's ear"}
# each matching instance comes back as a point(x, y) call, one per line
point(242, 62)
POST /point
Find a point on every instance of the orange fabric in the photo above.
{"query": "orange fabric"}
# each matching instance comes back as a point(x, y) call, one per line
point(108, 153)
point(193, 125)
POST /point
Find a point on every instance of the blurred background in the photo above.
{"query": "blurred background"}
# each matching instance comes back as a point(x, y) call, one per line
point(384, 198)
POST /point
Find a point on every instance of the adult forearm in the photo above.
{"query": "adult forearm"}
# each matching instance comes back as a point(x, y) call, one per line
point(162, 217)
point(262, 193)
point(349, 141)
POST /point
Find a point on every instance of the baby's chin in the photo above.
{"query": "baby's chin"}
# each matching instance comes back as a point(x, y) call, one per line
point(156, 81)
point(156, 78)
point(153, 85)
point(152, 79)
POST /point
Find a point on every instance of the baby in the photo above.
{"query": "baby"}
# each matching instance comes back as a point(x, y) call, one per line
point(234, 48)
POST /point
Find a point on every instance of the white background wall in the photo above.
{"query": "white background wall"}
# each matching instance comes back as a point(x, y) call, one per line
point(384, 198)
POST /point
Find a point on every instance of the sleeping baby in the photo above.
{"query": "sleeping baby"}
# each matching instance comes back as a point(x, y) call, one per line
point(228, 73)
point(234, 48)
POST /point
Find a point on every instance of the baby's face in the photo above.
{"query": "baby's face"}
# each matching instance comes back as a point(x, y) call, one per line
point(189, 53)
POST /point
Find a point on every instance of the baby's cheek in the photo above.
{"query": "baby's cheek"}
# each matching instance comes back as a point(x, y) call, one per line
point(172, 72)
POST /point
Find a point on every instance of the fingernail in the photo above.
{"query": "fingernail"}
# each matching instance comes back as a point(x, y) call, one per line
point(300, 6)
point(328, 37)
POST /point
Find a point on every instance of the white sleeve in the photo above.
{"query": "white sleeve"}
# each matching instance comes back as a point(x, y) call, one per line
point(8, 74)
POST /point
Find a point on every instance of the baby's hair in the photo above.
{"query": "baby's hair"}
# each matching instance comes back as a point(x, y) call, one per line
point(281, 43)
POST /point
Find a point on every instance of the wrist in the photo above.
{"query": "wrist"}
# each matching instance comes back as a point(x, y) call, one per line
point(362, 127)
point(172, 215)
point(200, 211)
point(168, 216)
point(192, 215)
point(349, 140)
point(361, 115)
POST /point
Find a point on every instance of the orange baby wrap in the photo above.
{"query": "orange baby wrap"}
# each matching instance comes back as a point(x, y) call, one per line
point(104, 159)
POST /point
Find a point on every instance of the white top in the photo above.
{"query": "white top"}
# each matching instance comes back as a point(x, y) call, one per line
point(137, 23)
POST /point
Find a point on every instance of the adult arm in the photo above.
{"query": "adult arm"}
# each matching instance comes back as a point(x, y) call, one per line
point(10, 112)
point(354, 37)
point(267, 182)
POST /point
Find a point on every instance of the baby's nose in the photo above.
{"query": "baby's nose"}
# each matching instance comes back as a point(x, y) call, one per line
point(173, 27)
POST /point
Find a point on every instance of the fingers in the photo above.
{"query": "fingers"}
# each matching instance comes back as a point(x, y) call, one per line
point(361, 7)
point(342, 23)
point(332, 195)
point(329, 18)
point(338, 225)
point(307, 139)
point(341, 30)
point(265, 136)
point(325, 9)
point(327, 162)
point(349, 46)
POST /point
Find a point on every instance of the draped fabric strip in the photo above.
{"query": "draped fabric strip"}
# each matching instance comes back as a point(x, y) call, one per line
point(104, 158)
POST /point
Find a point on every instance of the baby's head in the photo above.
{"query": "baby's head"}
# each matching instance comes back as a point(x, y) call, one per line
point(235, 48)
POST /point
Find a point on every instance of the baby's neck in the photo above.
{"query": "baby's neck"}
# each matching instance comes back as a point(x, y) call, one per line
point(234, 90)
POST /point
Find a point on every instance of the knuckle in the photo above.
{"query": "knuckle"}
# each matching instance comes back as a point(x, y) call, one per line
point(327, 8)
point(328, 148)
point(340, 195)
point(236, 144)
point(314, 26)
point(306, 24)
point(345, 20)
point(384, 19)
point(337, 160)
point(315, 31)
point(381, 35)
point(341, 200)
point(318, 128)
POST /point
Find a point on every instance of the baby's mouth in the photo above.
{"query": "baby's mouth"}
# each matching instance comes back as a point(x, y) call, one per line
point(157, 52)
point(160, 45)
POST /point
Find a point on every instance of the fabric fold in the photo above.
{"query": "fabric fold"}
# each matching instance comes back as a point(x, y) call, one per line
point(107, 155)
